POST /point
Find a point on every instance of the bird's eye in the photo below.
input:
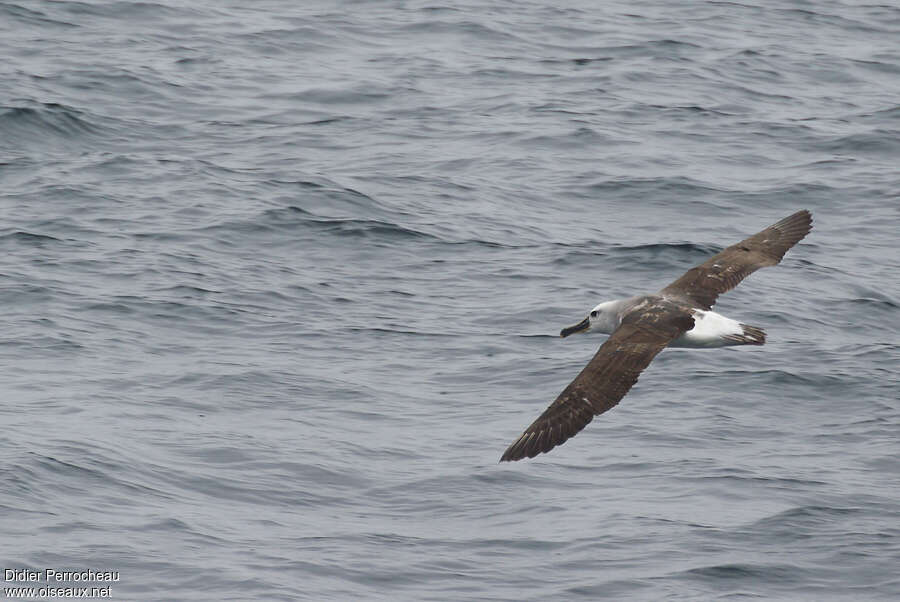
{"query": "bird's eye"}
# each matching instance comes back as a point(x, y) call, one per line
point(594, 313)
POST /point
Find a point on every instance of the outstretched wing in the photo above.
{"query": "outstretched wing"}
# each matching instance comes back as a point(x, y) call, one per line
point(703, 284)
point(644, 332)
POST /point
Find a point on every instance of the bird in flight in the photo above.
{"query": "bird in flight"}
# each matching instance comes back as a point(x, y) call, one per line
point(640, 327)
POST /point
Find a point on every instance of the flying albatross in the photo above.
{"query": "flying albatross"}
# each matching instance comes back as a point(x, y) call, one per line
point(640, 327)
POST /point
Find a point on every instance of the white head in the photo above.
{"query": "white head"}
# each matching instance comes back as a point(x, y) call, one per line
point(603, 318)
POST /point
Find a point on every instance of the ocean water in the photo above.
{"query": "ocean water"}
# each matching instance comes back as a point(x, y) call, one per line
point(282, 280)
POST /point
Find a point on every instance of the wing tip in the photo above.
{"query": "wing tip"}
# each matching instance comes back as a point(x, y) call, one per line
point(520, 447)
point(800, 222)
point(533, 442)
point(791, 230)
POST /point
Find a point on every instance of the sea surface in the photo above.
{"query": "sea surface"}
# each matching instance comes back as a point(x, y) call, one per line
point(281, 281)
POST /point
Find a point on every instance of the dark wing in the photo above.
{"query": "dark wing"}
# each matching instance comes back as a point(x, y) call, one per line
point(724, 271)
point(606, 379)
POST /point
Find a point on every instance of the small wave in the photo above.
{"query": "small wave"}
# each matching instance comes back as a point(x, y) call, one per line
point(286, 221)
point(29, 238)
point(806, 514)
point(135, 11)
point(890, 69)
point(678, 248)
point(638, 258)
point(868, 301)
point(347, 96)
point(876, 350)
point(186, 291)
point(290, 217)
point(35, 124)
point(652, 186)
point(882, 141)
point(366, 228)
point(402, 331)
point(576, 138)
point(475, 30)
point(49, 345)
point(891, 113)
point(767, 573)
point(27, 16)
point(690, 110)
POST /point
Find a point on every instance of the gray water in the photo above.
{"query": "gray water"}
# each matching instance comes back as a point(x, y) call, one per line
point(281, 281)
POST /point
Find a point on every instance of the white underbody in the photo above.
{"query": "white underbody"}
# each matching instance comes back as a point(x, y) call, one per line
point(709, 330)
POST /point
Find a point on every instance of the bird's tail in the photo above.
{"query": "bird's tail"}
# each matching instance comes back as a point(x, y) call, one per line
point(750, 335)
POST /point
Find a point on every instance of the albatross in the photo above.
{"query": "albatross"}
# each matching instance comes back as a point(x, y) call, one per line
point(680, 315)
